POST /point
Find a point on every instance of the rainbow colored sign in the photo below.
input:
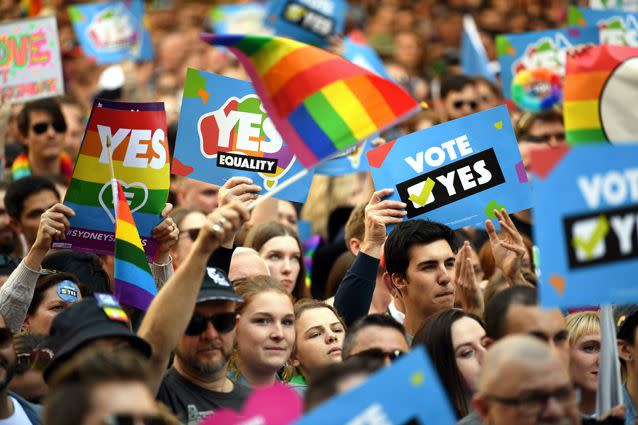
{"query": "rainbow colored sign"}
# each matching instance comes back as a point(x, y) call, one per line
point(30, 66)
point(137, 134)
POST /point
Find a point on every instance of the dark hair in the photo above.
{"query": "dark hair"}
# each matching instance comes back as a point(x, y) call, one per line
point(337, 272)
point(48, 105)
point(409, 233)
point(325, 381)
point(21, 189)
point(87, 269)
point(528, 119)
point(436, 337)
point(43, 284)
point(76, 379)
point(380, 320)
point(355, 226)
point(262, 233)
point(496, 310)
point(455, 83)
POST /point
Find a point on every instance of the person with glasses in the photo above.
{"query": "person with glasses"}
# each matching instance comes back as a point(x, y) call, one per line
point(195, 316)
point(458, 97)
point(42, 130)
point(377, 336)
point(455, 334)
point(33, 355)
point(521, 382)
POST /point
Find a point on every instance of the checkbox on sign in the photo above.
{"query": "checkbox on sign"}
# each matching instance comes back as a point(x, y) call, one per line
point(589, 238)
point(421, 193)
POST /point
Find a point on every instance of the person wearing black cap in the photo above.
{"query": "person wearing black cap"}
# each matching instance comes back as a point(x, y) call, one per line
point(194, 315)
point(626, 318)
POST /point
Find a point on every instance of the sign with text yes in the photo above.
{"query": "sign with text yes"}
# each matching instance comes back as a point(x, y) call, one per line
point(586, 224)
point(455, 173)
point(137, 136)
point(224, 131)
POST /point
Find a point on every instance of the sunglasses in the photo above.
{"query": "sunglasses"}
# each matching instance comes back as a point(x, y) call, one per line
point(37, 359)
point(545, 138)
point(222, 322)
point(379, 354)
point(6, 337)
point(42, 127)
point(458, 104)
point(127, 419)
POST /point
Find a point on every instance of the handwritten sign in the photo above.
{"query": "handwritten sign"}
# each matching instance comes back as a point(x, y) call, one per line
point(30, 65)
point(455, 173)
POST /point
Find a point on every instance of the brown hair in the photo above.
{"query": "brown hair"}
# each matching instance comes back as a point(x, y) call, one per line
point(527, 120)
point(355, 226)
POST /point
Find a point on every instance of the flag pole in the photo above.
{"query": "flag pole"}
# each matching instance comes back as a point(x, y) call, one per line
point(113, 180)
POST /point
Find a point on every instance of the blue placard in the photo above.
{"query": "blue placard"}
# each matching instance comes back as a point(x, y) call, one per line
point(408, 392)
point(112, 32)
point(224, 132)
point(351, 161)
point(539, 49)
point(455, 173)
point(616, 27)
point(308, 21)
point(245, 18)
point(585, 216)
point(628, 5)
point(360, 53)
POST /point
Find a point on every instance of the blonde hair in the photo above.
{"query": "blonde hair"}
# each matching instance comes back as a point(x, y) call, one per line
point(581, 324)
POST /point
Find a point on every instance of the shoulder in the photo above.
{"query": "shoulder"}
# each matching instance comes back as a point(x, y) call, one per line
point(33, 411)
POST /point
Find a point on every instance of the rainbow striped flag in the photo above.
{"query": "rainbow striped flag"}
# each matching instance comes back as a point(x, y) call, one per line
point(134, 285)
point(600, 85)
point(319, 102)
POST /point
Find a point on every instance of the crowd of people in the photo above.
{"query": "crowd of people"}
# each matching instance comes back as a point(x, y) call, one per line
point(239, 306)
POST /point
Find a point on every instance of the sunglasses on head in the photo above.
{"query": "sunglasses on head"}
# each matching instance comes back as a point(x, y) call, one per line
point(379, 354)
point(128, 419)
point(37, 359)
point(458, 104)
point(222, 322)
point(6, 337)
point(42, 127)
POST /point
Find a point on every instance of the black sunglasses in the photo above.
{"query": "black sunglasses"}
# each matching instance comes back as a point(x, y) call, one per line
point(6, 337)
point(544, 138)
point(222, 322)
point(458, 104)
point(379, 354)
point(128, 419)
point(41, 127)
point(37, 359)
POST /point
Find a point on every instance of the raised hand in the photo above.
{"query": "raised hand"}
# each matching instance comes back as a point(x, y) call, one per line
point(238, 188)
point(508, 249)
point(166, 233)
point(467, 288)
point(221, 226)
point(378, 214)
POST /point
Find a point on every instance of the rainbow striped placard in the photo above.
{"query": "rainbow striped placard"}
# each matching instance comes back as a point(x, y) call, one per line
point(137, 133)
point(599, 83)
point(134, 285)
point(319, 102)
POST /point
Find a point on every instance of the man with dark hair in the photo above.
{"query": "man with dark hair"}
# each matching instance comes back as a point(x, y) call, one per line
point(26, 200)
point(419, 257)
point(42, 129)
point(459, 97)
point(376, 336)
point(8, 236)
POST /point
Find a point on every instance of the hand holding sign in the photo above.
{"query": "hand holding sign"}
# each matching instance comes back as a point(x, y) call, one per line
point(166, 233)
point(221, 226)
point(53, 226)
point(378, 214)
point(467, 287)
point(509, 249)
point(238, 188)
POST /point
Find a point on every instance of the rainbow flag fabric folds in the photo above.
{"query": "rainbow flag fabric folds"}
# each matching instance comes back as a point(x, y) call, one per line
point(319, 102)
point(134, 285)
point(600, 83)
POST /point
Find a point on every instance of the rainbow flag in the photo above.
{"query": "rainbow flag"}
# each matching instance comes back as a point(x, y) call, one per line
point(319, 102)
point(134, 285)
point(600, 84)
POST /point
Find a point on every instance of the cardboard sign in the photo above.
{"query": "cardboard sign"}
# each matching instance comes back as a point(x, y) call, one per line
point(245, 18)
point(224, 132)
point(455, 173)
point(407, 393)
point(616, 27)
point(628, 5)
point(538, 50)
point(30, 65)
point(585, 224)
point(112, 32)
point(137, 133)
point(351, 161)
point(308, 21)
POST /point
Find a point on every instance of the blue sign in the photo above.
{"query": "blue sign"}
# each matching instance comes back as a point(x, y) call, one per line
point(616, 27)
point(357, 51)
point(350, 161)
point(224, 131)
point(474, 59)
point(112, 32)
point(540, 49)
point(585, 221)
point(245, 18)
point(408, 392)
point(308, 21)
point(455, 173)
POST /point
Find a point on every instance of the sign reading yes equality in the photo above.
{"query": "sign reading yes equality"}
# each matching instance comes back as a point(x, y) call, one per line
point(586, 224)
point(137, 133)
point(455, 173)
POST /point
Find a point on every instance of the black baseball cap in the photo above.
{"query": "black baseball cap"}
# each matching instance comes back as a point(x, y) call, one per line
point(626, 320)
point(216, 287)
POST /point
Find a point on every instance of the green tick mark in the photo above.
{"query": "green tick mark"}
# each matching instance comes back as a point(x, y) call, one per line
point(422, 198)
point(588, 245)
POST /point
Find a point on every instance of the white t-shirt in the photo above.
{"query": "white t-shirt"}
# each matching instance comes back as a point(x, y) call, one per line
point(19, 416)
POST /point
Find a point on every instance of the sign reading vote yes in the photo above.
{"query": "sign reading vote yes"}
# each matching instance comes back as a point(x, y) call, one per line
point(225, 132)
point(458, 172)
point(586, 224)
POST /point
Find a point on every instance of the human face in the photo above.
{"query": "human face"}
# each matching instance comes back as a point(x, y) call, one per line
point(205, 356)
point(541, 135)
point(388, 340)
point(468, 342)
point(283, 257)
point(50, 306)
point(120, 398)
point(461, 103)
point(428, 279)
point(75, 129)
point(487, 99)
point(584, 361)
point(287, 214)
point(8, 360)
point(8, 238)
point(200, 195)
point(407, 51)
point(548, 325)
point(319, 339)
point(266, 332)
point(192, 222)
point(34, 206)
point(46, 145)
